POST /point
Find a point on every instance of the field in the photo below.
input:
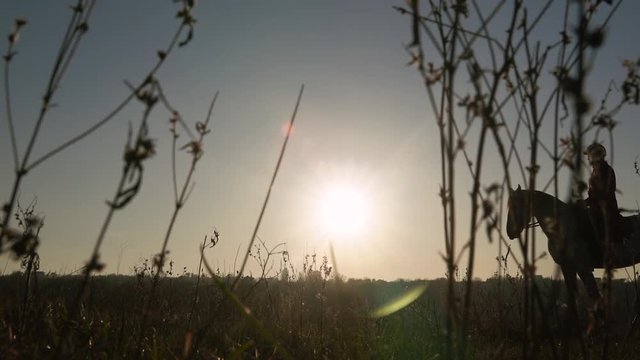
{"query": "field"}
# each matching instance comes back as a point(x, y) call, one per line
point(312, 317)
point(517, 97)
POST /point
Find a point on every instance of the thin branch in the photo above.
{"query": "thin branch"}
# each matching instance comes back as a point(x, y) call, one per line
point(64, 56)
point(115, 111)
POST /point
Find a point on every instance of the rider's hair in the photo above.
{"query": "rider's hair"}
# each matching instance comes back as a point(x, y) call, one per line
point(596, 149)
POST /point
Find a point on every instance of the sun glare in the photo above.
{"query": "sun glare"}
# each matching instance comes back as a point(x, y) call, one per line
point(343, 210)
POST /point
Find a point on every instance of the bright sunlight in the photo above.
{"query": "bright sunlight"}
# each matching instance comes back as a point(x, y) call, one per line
point(343, 210)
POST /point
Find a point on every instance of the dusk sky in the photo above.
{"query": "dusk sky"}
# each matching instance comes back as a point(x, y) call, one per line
point(364, 131)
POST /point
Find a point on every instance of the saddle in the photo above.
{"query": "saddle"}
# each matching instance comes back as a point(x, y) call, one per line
point(625, 227)
point(620, 227)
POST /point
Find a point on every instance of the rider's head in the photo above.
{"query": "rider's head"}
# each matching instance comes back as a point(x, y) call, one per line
point(595, 153)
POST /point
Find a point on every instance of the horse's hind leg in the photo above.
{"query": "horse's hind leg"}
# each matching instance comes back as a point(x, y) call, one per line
point(590, 284)
point(595, 308)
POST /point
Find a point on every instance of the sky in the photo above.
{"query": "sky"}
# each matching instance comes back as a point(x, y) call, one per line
point(364, 131)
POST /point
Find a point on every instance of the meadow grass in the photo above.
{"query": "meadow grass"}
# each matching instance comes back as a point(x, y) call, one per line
point(311, 318)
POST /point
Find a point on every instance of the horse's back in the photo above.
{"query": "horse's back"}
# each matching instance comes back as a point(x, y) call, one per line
point(627, 252)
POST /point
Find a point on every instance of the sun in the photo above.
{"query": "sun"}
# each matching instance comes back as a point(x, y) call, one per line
point(343, 210)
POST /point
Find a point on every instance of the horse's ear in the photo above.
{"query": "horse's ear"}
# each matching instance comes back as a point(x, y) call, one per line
point(519, 188)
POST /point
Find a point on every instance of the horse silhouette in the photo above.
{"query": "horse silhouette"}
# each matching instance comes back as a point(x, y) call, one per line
point(571, 239)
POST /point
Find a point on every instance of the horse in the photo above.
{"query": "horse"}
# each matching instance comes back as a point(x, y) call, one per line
point(571, 239)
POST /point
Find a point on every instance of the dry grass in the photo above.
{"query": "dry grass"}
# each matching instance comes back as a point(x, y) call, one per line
point(311, 318)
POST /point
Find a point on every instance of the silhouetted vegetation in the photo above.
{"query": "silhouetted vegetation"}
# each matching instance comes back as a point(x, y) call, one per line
point(311, 317)
point(511, 105)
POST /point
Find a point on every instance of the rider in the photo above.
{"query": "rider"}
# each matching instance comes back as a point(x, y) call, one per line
point(602, 204)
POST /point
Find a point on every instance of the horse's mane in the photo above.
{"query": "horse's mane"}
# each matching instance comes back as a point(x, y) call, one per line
point(544, 197)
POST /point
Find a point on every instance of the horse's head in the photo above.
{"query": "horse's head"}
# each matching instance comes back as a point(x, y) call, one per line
point(517, 217)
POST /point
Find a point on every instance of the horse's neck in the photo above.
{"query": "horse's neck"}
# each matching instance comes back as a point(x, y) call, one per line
point(545, 205)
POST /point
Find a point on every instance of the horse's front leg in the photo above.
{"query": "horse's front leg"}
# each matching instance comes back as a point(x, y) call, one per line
point(596, 311)
point(570, 281)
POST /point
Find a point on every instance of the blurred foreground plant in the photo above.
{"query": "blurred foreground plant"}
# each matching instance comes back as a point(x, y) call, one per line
point(492, 92)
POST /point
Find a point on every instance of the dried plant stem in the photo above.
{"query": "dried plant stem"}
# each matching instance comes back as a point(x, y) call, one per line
point(146, 79)
point(264, 266)
point(67, 50)
point(195, 295)
point(93, 263)
point(70, 42)
point(196, 150)
point(186, 188)
point(266, 200)
point(7, 100)
point(64, 56)
point(487, 117)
